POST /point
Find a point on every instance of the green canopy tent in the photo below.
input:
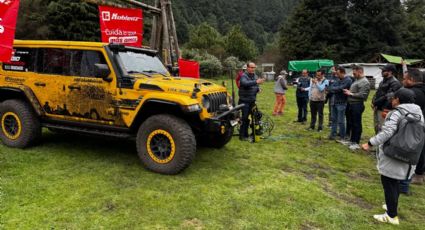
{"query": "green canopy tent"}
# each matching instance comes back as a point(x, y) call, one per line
point(397, 59)
point(309, 65)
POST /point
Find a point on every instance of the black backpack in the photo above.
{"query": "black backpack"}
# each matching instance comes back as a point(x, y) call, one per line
point(407, 143)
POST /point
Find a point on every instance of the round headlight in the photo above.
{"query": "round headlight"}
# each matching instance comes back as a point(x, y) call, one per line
point(206, 102)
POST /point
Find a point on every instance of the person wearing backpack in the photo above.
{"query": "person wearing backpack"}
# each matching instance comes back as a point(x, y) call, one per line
point(394, 170)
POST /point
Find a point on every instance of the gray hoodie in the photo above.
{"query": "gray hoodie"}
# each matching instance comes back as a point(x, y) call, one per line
point(280, 85)
point(387, 166)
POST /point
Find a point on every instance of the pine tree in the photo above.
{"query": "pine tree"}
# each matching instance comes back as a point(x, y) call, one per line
point(73, 20)
point(317, 29)
point(415, 33)
point(237, 44)
point(31, 20)
point(205, 37)
point(377, 27)
point(344, 31)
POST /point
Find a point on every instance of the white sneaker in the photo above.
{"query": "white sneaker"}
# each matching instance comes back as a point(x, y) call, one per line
point(354, 147)
point(386, 219)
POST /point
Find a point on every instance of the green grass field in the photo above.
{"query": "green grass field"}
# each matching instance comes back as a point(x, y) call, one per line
point(294, 180)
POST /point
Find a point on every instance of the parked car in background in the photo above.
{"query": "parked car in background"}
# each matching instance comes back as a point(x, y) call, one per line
point(295, 81)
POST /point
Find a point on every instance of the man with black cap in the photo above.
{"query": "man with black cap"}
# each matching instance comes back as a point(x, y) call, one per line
point(381, 102)
point(413, 80)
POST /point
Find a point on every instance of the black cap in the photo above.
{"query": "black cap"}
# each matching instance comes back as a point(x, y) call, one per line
point(405, 96)
point(389, 67)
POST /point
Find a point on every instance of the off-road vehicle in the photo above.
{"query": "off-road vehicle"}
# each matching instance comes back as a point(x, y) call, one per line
point(111, 90)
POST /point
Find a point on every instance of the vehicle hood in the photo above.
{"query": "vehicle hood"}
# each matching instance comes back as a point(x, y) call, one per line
point(177, 85)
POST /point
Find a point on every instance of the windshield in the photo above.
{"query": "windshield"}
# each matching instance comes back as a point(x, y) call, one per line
point(137, 62)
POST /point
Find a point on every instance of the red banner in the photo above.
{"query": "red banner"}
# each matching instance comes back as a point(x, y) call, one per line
point(188, 68)
point(8, 14)
point(119, 25)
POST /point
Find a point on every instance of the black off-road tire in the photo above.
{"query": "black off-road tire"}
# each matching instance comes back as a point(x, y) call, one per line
point(168, 129)
point(218, 140)
point(26, 130)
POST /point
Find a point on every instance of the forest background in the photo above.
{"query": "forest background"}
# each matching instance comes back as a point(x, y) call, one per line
point(225, 33)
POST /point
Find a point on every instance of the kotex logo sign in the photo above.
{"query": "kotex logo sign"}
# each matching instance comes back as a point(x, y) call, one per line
point(119, 25)
point(106, 16)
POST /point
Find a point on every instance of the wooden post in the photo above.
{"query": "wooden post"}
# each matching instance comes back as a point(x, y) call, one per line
point(165, 32)
point(174, 31)
point(154, 32)
point(144, 6)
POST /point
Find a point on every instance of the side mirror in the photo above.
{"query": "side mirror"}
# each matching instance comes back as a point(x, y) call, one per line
point(102, 71)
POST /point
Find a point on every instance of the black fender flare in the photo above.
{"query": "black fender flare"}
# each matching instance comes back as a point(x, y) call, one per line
point(25, 93)
point(161, 106)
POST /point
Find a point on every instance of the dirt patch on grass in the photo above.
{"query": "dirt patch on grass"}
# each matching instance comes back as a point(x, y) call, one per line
point(360, 202)
point(363, 176)
point(110, 206)
point(318, 142)
point(192, 224)
point(309, 226)
point(287, 169)
point(309, 170)
point(312, 170)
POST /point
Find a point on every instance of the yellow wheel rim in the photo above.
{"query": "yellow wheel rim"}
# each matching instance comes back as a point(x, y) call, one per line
point(161, 146)
point(11, 125)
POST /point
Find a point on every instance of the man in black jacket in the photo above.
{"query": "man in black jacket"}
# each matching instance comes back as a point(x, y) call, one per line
point(247, 95)
point(302, 96)
point(381, 102)
point(413, 80)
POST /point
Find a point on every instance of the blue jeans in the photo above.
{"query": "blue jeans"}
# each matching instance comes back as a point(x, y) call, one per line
point(404, 186)
point(338, 119)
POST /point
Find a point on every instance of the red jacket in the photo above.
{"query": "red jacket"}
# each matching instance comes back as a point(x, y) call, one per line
point(238, 78)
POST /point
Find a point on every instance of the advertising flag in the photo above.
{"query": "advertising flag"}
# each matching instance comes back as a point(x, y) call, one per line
point(120, 25)
point(8, 14)
point(188, 68)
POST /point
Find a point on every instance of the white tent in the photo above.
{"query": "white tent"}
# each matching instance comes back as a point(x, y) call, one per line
point(371, 70)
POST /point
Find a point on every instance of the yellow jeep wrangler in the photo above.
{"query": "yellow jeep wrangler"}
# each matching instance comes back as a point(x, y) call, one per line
point(111, 90)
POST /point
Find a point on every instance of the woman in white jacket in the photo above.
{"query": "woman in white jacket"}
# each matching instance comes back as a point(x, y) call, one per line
point(393, 171)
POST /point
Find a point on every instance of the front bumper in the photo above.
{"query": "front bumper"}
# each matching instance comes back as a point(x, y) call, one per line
point(223, 121)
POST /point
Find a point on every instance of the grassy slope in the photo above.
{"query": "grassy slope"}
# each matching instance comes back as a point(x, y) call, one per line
point(299, 180)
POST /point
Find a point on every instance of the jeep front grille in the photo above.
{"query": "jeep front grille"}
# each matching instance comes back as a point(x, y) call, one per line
point(216, 99)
